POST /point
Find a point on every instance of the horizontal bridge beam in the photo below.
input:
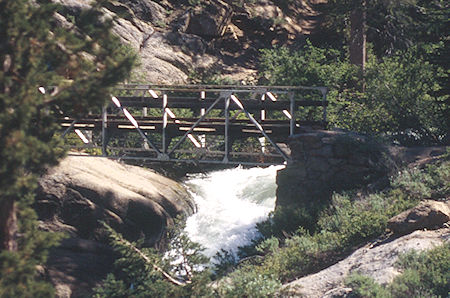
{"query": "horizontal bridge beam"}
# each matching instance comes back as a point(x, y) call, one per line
point(197, 103)
point(156, 123)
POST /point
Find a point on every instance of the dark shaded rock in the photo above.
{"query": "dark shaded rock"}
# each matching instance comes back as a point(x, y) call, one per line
point(210, 19)
point(325, 151)
point(81, 262)
point(317, 164)
point(188, 43)
point(310, 141)
point(328, 161)
point(428, 214)
point(147, 10)
point(416, 156)
point(181, 23)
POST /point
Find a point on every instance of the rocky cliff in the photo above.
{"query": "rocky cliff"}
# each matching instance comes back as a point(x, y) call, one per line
point(177, 41)
point(74, 196)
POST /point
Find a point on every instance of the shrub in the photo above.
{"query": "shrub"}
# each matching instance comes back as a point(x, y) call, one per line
point(143, 272)
point(425, 274)
point(432, 181)
point(284, 222)
point(364, 286)
point(401, 98)
point(248, 281)
point(357, 220)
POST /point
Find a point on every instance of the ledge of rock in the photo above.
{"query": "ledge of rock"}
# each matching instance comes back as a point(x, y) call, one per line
point(429, 214)
point(74, 196)
point(377, 262)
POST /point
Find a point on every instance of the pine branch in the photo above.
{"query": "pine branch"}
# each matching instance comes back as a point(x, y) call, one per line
point(118, 239)
point(157, 268)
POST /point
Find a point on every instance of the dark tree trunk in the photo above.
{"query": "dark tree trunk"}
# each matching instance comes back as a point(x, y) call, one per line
point(358, 40)
point(8, 225)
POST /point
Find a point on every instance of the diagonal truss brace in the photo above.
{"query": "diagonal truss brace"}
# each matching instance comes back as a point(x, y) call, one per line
point(260, 128)
point(191, 129)
point(135, 124)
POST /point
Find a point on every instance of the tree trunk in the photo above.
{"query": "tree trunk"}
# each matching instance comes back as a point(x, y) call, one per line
point(8, 225)
point(358, 40)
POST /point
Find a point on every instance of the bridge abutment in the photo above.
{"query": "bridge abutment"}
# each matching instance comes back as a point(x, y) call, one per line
point(324, 162)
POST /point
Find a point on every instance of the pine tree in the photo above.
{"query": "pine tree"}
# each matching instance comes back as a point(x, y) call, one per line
point(75, 65)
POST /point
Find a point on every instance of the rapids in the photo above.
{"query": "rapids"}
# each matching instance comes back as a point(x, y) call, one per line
point(230, 203)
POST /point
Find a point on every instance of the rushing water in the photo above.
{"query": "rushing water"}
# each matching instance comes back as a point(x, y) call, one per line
point(230, 203)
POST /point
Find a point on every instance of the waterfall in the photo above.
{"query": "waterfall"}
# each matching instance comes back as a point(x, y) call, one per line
point(230, 203)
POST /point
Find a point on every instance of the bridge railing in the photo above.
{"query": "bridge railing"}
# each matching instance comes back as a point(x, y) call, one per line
point(201, 123)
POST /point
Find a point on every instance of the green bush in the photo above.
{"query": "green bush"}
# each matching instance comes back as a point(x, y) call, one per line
point(356, 221)
point(401, 98)
point(425, 274)
point(364, 286)
point(144, 272)
point(247, 281)
point(431, 182)
point(284, 222)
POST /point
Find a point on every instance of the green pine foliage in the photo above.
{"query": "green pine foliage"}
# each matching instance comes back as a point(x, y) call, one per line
point(77, 68)
point(144, 272)
point(391, 24)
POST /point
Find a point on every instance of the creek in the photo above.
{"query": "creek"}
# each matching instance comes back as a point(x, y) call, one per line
point(230, 202)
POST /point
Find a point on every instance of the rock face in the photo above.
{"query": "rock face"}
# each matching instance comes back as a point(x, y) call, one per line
point(327, 161)
point(376, 262)
point(165, 58)
point(81, 191)
point(210, 36)
point(428, 214)
point(147, 10)
point(210, 19)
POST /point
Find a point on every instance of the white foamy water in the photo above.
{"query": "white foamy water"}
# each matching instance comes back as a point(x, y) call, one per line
point(230, 203)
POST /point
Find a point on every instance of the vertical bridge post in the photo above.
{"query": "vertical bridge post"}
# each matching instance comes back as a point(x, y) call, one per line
point(202, 113)
point(104, 130)
point(164, 125)
point(292, 110)
point(227, 124)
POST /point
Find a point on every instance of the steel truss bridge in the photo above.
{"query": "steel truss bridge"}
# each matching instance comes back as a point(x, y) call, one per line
point(246, 125)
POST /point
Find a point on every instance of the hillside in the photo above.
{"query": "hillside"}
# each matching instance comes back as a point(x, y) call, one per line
point(176, 41)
